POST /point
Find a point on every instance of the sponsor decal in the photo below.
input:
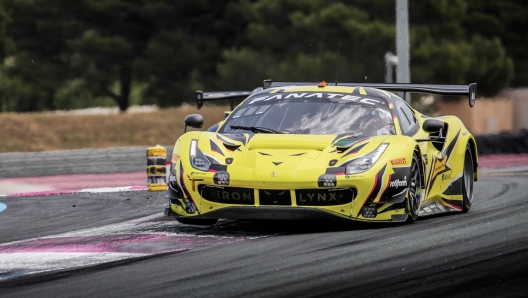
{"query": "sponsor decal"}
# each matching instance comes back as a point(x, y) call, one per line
point(317, 197)
point(354, 176)
point(399, 161)
point(311, 197)
point(236, 196)
point(446, 176)
point(175, 157)
point(427, 209)
point(228, 195)
point(198, 173)
point(399, 183)
point(333, 96)
point(273, 174)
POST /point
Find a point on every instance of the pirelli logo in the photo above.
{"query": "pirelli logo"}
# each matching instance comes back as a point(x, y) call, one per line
point(399, 161)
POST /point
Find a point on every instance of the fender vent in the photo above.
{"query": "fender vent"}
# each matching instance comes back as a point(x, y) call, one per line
point(231, 147)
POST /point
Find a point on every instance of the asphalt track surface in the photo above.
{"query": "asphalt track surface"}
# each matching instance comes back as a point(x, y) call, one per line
point(86, 161)
point(483, 253)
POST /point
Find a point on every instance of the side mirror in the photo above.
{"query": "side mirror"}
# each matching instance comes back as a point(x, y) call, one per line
point(194, 120)
point(432, 125)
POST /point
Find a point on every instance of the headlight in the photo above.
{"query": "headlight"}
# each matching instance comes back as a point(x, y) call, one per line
point(365, 162)
point(198, 159)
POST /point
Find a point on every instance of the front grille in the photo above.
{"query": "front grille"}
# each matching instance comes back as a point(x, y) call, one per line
point(275, 197)
point(228, 195)
point(303, 197)
point(324, 197)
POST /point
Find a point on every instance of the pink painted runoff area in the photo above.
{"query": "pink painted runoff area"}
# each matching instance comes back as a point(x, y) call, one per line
point(125, 243)
point(80, 181)
point(499, 161)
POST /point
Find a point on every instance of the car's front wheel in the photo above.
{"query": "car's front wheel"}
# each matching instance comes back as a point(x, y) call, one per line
point(414, 190)
point(467, 180)
point(197, 221)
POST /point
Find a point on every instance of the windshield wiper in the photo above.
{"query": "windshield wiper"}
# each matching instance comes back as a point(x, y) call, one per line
point(255, 129)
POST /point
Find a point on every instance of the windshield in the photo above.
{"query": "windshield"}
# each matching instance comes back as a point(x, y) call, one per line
point(312, 117)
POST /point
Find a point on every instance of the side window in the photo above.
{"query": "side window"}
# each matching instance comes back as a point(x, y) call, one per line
point(406, 116)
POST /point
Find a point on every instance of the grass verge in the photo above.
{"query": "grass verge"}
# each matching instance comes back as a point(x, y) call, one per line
point(47, 131)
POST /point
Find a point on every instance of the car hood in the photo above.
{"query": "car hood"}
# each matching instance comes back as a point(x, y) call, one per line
point(296, 153)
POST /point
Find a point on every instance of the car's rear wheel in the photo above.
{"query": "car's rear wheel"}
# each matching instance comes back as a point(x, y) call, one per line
point(468, 178)
point(198, 221)
point(414, 191)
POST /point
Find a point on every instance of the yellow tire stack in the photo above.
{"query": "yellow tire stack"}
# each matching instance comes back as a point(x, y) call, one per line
point(156, 168)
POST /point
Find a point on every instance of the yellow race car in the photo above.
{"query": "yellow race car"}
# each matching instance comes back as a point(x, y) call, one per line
point(295, 150)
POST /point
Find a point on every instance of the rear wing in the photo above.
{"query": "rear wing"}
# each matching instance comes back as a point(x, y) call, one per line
point(229, 95)
point(461, 90)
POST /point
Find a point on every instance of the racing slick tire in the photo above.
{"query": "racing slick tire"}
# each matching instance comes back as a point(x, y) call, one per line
point(198, 221)
point(414, 191)
point(467, 180)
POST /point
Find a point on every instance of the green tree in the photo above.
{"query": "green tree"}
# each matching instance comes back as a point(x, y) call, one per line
point(299, 40)
point(114, 35)
point(67, 54)
point(505, 21)
point(187, 45)
point(444, 51)
point(35, 39)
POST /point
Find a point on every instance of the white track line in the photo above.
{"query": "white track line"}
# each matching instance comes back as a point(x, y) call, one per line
point(71, 191)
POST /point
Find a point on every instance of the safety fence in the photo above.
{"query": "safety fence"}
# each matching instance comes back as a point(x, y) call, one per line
point(503, 143)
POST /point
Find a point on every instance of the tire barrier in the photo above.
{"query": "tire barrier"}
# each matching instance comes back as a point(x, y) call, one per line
point(156, 168)
point(503, 143)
